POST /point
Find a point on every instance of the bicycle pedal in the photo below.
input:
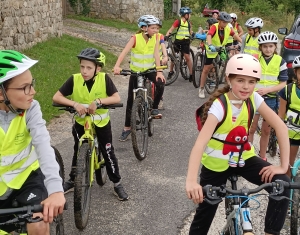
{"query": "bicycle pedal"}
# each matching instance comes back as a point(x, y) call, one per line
point(159, 116)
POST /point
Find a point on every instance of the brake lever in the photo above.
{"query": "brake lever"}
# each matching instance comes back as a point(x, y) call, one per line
point(279, 198)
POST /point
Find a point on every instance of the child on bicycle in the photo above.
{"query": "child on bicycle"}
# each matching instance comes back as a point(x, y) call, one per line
point(273, 79)
point(93, 87)
point(215, 14)
point(29, 172)
point(291, 107)
point(249, 40)
point(217, 37)
point(217, 148)
point(182, 39)
point(144, 46)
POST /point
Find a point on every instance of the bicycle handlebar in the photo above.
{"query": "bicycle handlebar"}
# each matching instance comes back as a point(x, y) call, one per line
point(214, 195)
point(73, 110)
point(20, 210)
point(126, 72)
point(290, 121)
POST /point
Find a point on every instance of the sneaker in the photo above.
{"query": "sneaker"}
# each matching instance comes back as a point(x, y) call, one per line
point(170, 74)
point(161, 105)
point(201, 93)
point(124, 135)
point(68, 186)
point(120, 193)
point(155, 112)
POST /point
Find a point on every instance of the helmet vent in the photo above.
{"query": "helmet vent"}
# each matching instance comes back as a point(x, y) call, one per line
point(8, 66)
point(11, 58)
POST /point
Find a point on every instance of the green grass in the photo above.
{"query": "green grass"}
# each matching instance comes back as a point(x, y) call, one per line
point(57, 62)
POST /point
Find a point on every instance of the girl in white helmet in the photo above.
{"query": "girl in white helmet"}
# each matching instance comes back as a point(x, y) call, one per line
point(273, 79)
point(144, 47)
point(290, 106)
point(237, 29)
point(214, 148)
point(249, 40)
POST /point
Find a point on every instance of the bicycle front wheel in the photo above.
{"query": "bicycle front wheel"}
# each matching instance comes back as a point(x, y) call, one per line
point(184, 70)
point(197, 68)
point(272, 146)
point(101, 174)
point(170, 78)
point(139, 128)
point(60, 163)
point(212, 80)
point(82, 188)
point(295, 220)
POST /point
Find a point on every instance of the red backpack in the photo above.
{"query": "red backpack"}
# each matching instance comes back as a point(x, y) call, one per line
point(223, 102)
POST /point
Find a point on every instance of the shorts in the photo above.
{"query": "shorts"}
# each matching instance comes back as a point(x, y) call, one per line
point(32, 192)
point(294, 142)
point(208, 61)
point(182, 46)
point(273, 104)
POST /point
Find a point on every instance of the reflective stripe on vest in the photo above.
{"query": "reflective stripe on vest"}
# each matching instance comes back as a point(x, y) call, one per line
point(142, 55)
point(294, 132)
point(215, 40)
point(17, 155)
point(81, 94)
point(213, 157)
point(183, 31)
point(269, 73)
point(251, 47)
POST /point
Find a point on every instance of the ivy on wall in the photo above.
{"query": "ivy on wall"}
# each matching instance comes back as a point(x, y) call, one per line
point(80, 6)
point(168, 9)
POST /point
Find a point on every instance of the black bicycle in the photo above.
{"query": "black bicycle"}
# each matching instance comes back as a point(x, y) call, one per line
point(199, 61)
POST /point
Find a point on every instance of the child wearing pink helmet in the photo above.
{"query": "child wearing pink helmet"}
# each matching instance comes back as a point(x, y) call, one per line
point(220, 159)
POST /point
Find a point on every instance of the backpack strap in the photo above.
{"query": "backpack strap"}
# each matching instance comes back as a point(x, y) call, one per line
point(288, 95)
point(223, 102)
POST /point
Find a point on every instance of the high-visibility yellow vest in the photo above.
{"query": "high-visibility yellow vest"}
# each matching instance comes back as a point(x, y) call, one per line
point(142, 55)
point(213, 157)
point(294, 111)
point(215, 40)
point(251, 46)
point(82, 95)
point(17, 155)
point(183, 31)
point(269, 73)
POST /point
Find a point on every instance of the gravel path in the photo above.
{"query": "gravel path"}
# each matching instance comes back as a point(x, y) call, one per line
point(114, 40)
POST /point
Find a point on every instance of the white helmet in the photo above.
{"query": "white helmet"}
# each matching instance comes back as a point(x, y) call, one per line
point(233, 15)
point(267, 37)
point(296, 62)
point(254, 23)
point(146, 20)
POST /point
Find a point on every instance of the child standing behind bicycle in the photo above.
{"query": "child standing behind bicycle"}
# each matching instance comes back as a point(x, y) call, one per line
point(293, 109)
point(144, 47)
point(29, 171)
point(273, 79)
point(225, 150)
point(95, 88)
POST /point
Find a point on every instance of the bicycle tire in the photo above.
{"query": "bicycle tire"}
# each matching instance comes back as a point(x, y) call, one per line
point(222, 75)
point(139, 123)
point(212, 80)
point(57, 226)
point(295, 220)
point(173, 78)
point(272, 145)
point(150, 96)
point(184, 70)
point(82, 187)
point(197, 68)
point(101, 173)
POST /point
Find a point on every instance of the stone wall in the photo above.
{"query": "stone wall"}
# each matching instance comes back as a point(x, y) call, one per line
point(127, 10)
point(23, 23)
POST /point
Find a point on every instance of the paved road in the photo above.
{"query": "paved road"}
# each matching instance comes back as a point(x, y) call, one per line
point(158, 203)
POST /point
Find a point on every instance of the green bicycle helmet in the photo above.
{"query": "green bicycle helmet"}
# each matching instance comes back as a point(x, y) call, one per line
point(94, 55)
point(13, 63)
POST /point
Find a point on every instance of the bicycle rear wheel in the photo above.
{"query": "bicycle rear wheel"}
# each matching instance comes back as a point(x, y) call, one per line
point(101, 174)
point(57, 226)
point(171, 78)
point(184, 70)
point(139, 128)
point(212, 80)
point(82, 187)
point(197, 68)
point(272, 146)
point(295, 220)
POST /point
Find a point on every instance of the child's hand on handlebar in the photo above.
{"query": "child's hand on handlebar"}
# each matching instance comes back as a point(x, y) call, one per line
point(159, 75)
point(194, 192)
point(92, 108)
point(80, 109)
point(117, 70)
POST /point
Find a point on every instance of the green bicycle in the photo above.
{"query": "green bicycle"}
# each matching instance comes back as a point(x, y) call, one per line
point(89, 161)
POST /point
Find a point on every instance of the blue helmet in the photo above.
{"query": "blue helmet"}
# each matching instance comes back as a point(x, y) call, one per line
point(185, 10)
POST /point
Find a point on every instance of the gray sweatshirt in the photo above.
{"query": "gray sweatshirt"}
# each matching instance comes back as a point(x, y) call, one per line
point(41, 141)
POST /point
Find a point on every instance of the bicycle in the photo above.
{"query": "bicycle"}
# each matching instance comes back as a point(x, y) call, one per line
point(89, 161)
point(184, 70)
point(295, 194)
point(172, 62)
point(199, 60)
point(141, 119)
point(238, 217)
point(23, 215)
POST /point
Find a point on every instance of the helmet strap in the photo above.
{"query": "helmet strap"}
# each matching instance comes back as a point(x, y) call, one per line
point(8, 104)
point(238, 101)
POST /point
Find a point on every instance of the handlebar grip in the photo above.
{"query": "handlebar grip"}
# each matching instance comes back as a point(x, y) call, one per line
point(161, 67)
point(118, 105)
point(58, 105)
point(294, 185)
